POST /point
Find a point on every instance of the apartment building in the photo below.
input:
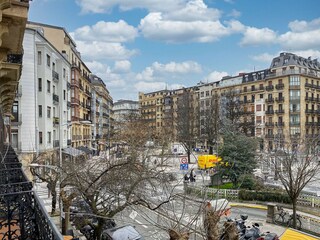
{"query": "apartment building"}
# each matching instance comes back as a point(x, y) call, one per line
point(81, 96)
point(123, 108)
point(102, 103)
point(278, 104)
point(40, 112)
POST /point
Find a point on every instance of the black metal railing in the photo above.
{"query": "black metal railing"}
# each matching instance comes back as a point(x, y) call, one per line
point(55, 76)
point(55, 98)
point(22, 214)
point(14, 58)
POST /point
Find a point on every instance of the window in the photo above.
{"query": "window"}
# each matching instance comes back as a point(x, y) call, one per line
point(40, 110)
point(207, 93)
point(64, 72)
point(53, 66)
point(294, 107)
point(294, 81)
point(49, 137)
point(48, 60)
point(201, 94)
point(48, 112)
point(40, 84)
point(294, 130)
point(40, 138)
point(48, 86)
point(39, 57)
point(259, 119)
point(64, 94)
point(245, 89)
point(294, 119)
point(252, 88)
point(261, 96)
point(294, 94)
point(258, 108)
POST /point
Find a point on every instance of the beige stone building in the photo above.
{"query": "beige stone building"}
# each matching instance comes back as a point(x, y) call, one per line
point(279, 104)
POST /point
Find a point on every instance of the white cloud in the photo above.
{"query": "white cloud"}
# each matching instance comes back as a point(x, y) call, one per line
point(257, 36)
point(195, 10)
point(107, 32)
point(122, 66)
point(173, 69)
point(215, 76)
point(154, 26)
point(264, 57)
point(303, 26)
point(150, 86)
point(234, 13)
point(308, 53)
point(102, 6)
point(300, 40)
point(103, 50)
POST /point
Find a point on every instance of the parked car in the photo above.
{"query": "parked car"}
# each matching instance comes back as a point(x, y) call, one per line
point(121, 233)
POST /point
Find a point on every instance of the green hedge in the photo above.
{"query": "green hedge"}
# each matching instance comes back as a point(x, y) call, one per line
point(264, 196)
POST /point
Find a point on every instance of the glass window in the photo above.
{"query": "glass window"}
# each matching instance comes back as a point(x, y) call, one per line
point(40, 138)
point(48, 112)
point(294, 107)
point(48, 60)
point(294, 81)
point(258, 108)
point(40, 110)
point(48, 86)
point(49, 137)
point(295, 119)
point(294, 94)
point(40, 84)
point(294, 130)
point(39, 57)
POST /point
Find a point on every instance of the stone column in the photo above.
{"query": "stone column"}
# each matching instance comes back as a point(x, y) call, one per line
point(270, 212)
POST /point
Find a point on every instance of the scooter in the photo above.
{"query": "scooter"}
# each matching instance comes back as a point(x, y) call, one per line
point(251, 233)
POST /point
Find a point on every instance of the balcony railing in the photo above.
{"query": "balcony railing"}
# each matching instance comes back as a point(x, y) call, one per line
point(269, 88)
point(269, 112)
point(22, 214)
point(280, 111)
point(56, 121)
point(280, 99)
point(68, 104)
point(55, 76)
point(69, 142)
point(270, 100)
point(14, 58)
point(279, 86)
point(68, 85)
point(55, 99)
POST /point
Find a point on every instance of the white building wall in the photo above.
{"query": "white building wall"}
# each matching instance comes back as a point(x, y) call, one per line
point(27, 104)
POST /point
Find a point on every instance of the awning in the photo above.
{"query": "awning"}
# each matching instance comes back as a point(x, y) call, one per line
point(85, 149)
point(72, 151)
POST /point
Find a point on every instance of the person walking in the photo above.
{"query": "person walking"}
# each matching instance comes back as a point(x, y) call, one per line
point(192, 176)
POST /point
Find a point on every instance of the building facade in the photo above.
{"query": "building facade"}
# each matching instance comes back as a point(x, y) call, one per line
point(123, 108)
point(278, 104)
point(40, 112)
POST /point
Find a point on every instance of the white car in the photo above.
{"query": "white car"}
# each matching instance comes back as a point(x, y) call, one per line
point(121, 233)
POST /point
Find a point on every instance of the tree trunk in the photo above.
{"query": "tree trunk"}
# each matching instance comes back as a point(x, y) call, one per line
point(66, 220)
point(54, 200)
point(99, 228)
point(294, 214)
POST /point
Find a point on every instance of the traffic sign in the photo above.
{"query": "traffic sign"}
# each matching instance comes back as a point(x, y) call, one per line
point(184, 166)
point(183, 160)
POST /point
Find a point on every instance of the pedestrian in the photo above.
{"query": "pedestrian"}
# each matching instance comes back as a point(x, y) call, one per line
point(192, 176)
point(186, 178)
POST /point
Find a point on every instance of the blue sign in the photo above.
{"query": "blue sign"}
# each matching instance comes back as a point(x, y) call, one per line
point(184, 166)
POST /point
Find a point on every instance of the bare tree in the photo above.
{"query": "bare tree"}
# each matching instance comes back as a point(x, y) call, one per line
point(296, 165)
point(187, 121)
point(49, 175)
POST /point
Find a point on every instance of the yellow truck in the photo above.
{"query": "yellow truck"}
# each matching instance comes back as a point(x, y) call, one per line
point(208, 161)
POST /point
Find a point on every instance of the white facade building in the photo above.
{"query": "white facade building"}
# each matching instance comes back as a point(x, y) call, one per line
point(41, 111)
point(124, 108)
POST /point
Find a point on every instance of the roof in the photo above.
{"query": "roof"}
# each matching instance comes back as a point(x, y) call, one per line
point(85, 149)
point(73, 151)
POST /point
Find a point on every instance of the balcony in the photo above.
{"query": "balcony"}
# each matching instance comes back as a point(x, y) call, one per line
point(269, 112)
point(74, 83)
point(68, 104)
point(17, 121)
point(55, 76)
point(55, 121)
point(280, 86)
point(311, 111)
point(56, 143)
point(69, 142)
point(269, 135)
point(269, 88)
point(23, 216)
point(88, 107)
point(269, 100)
point(280, 124)
point(81, 87)
point(280, 99)
point(311, 124)
point(55, 99)
point(75, 101)
point(269, 124)
point(68, 85)
point(294, 123)
point(311, 99)
point(280, 111)
point(88, 92)
point(15, 58)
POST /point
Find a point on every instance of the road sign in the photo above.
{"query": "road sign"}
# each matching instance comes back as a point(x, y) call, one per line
point(183, 160)
point(184, 166)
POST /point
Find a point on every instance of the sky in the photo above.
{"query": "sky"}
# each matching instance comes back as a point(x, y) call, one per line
point(151, 45)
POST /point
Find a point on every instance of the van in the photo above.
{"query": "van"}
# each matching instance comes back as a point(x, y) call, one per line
point(220, 205)
point(208, 161)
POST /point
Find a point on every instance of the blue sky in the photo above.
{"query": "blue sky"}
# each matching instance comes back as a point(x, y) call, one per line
point(149, 45)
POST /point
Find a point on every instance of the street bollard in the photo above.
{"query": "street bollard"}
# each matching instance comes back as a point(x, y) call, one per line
point(270, 212)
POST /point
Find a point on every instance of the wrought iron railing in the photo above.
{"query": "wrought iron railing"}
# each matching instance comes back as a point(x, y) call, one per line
point(22, 215)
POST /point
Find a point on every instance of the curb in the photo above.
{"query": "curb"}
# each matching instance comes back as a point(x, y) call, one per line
point(248, 206)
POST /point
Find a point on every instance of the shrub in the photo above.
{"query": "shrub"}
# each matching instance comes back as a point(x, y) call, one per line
point(278, 197)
